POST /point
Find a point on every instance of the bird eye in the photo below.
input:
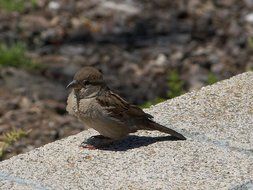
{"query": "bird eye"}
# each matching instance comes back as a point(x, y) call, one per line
point(86, 82)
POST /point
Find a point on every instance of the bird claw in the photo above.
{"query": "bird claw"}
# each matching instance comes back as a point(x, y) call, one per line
point(95, 142)
point(84, 145)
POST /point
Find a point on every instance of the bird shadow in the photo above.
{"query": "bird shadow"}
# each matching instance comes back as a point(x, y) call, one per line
point(133, 141)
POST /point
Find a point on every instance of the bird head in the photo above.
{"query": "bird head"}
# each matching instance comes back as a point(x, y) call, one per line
point(85, 77)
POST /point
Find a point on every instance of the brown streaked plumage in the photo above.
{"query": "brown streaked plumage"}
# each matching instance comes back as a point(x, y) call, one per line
point(106, 112)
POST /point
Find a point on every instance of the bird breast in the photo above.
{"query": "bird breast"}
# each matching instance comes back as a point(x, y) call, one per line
point(95, 116)
point(84, 108)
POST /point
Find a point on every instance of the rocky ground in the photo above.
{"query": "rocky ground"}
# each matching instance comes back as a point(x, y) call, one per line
point(135, 43)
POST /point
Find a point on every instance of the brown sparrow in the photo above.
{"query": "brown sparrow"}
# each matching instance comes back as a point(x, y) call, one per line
point(99, 108)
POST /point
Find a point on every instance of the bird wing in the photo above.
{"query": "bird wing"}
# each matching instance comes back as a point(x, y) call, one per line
point(123, 112)
point(120, 109)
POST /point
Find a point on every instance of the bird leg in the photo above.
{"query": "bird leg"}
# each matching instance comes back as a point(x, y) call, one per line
point(96, 141)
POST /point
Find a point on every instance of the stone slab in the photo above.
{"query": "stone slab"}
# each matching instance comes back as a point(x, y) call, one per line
point(218, 153)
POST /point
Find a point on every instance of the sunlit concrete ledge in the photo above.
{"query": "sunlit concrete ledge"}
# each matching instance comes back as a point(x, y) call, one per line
point(218, 153)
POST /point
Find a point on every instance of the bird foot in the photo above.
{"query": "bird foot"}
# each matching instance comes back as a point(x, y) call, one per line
point(95, 142)
point(87, 146)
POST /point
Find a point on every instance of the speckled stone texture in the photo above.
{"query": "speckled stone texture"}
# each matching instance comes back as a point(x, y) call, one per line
point(218, 153)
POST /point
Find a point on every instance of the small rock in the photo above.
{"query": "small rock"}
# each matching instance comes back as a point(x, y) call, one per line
point(249, 3)
point(161, 60)
point(72, 50)
point(53, 5)
point(122, 7)
point(249, 18)
point(25, 103)
point(34, 23)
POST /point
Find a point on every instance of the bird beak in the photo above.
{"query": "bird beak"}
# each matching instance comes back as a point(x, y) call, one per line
point(72, 84)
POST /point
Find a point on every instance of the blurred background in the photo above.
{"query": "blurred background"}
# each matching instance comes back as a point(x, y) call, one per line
point(149, 51)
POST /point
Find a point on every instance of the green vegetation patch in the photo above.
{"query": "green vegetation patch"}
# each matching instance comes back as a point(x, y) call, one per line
point(9, 138)
point(15, 56)
point(211, 78)
point(16, 5)
point(175, 85)
point(153, 102)
point(250, 42)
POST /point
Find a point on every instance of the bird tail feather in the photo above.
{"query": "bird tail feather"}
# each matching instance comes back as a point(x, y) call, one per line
point(161, 128)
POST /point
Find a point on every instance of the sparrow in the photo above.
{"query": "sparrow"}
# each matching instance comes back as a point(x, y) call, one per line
point(93, 102)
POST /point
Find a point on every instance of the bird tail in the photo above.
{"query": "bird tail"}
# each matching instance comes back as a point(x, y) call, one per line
point(155, 126)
